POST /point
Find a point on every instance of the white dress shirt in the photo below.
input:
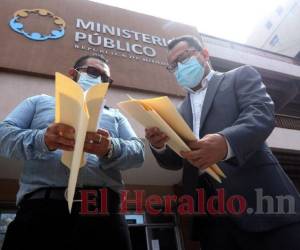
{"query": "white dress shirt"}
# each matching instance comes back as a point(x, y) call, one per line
point(197, 99)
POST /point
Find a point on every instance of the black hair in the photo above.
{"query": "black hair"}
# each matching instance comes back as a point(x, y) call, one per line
point(82, 60)
point(192, 41)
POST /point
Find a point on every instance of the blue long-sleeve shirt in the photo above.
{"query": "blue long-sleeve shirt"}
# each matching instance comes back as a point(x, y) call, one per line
point(22, 137)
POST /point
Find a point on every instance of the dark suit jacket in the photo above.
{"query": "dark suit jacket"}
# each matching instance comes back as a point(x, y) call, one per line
point(237, 106)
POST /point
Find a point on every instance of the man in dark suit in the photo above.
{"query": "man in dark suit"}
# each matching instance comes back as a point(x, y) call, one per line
point(232, 115)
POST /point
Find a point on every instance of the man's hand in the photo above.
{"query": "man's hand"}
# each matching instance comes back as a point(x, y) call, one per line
point(211, 149)
point(156, 138)
point(97, 143)
point(60, 136)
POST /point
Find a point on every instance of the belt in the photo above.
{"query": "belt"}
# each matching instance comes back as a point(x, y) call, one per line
point(47, 193)
point(60, 194)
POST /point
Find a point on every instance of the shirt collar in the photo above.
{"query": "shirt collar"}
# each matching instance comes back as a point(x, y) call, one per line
point(204, 83)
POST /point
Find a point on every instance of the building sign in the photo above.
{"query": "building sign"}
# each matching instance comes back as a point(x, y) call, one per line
point(100, 38)
point(16, 24)
point(43, 37)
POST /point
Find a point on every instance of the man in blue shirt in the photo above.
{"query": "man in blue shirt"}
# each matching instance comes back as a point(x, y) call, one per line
point(29, 133)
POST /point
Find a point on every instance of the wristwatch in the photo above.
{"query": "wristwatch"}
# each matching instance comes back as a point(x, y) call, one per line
point(110, 150)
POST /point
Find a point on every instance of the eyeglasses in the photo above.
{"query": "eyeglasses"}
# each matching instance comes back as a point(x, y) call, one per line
point(182, 58)
point(95, 73)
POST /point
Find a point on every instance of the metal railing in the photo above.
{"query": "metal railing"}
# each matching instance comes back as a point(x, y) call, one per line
point(286, 121)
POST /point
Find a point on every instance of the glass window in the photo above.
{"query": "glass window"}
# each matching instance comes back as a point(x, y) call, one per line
point(138, 237)
point(279, 10)
point(153, 232)
point(274, 40)
point(269, 24)
point(135, 218)
point(163, 238)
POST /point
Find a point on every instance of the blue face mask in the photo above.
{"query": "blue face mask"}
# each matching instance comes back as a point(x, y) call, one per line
point(86, 81)
point(190, 73)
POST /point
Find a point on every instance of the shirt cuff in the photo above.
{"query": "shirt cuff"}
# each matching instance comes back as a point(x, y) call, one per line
point(40, 141)
point(200, 172)
point(230, 153)
point(117, 149)
point(158, 150)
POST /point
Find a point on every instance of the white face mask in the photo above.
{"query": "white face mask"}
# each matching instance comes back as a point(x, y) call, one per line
point(190, 73)
point(86, 81)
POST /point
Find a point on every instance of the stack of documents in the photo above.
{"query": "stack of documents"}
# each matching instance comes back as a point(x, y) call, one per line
point(161, 113)
point(81, 110)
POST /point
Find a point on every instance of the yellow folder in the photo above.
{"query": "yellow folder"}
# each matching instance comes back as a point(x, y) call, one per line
point(161, 113)
point(80, 110)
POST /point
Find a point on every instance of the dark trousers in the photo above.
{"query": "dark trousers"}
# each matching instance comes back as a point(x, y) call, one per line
point(223, 234)
point(47, 224)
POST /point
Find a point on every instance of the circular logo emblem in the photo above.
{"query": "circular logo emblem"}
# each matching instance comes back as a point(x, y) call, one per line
point(16, 24)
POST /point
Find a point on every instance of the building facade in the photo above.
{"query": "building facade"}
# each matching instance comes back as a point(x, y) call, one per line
point(278, 32)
